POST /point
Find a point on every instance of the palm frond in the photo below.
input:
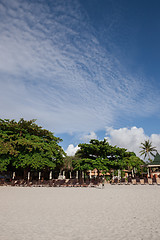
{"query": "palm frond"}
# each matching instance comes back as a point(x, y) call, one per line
point(147, 149)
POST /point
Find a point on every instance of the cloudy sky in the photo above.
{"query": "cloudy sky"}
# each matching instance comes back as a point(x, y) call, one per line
point(83, 68)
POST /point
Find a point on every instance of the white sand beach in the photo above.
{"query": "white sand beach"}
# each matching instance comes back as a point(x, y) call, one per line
point(116, 212)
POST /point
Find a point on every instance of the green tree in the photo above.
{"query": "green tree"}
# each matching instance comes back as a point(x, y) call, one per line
point(102, 156)
point(147, 150)
point(95, 149)
point(25, 145)
point(131, 161)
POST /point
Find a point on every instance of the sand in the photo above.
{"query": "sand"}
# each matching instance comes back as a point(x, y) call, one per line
point(116, 212)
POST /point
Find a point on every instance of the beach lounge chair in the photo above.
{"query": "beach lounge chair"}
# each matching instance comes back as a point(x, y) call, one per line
point(81, 182)
point(76, 183)
point(17, 183)
point(154, 180)
point(122, 181)
point(51, 182)
point(59, 183)
point(2, 182)
point(45, 183)
point(134, 181)
point(34, 183)
point(87, 182)
point(63, 183)
point(115, 181)
point(129, 181)
point(158, 181)
point(137, 180)
point(150, 181)
point(24, 183)
point(56, 183)
point(145, 180)
point(69, 183)
point(94, 182)
point(142, 181)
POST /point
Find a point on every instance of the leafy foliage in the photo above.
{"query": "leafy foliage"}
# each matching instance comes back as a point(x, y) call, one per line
point(26, 145)
point(104, 157)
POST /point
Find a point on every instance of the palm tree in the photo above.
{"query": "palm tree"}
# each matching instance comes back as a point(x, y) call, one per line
point(147, 149)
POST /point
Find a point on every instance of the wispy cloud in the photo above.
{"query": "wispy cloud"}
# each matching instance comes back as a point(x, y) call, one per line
point(53, 68)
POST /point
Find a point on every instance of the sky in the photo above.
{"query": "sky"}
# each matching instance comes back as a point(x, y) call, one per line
point(83, 68)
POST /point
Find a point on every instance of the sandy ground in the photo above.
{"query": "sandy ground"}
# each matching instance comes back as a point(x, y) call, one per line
point(116, 212)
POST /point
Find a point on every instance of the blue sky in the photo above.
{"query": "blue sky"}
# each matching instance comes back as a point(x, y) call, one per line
point(83, 69)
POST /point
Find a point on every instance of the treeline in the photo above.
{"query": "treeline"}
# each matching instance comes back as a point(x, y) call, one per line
point(25, 147)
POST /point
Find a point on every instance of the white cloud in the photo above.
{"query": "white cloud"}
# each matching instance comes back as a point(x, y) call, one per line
point(71, 150)
point(155, 139)
point(53, 68)
point(131, 138)
point(87, 138)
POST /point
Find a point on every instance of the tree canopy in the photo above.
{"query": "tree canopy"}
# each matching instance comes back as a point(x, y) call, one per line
point(26, 145)
point(103, 156)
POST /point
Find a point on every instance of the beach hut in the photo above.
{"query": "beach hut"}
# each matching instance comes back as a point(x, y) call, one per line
point(154, 167)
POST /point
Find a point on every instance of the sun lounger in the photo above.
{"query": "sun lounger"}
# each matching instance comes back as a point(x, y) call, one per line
point(51, 182)
point(84, 185)
point(17, 183)
point(45, 183)
point(142, 181)
point(150, 181)
point(94, 182)
point(158, 181)
point(134, 182)
point(154, 181)
point(129, 181)
point(145, 180)
point(115, 181)
point(56, 183)
point(122, 181)
point(61, 183)
point(2, 182)
point(69, 183)
point(137, 180)
point(24, 183)
point(34, 183)
point(87, 183)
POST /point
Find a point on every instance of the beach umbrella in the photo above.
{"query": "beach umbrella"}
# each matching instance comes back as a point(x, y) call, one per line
point(39, 175)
